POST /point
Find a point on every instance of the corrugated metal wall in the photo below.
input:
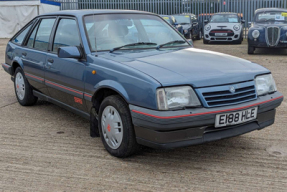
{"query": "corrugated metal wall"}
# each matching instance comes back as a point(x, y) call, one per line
point(246, 7)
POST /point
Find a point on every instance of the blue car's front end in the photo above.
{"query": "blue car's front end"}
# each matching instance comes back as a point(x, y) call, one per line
point(271, 36)
point(218, 97)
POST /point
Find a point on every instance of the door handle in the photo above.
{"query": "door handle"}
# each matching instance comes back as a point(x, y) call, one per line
point(51, 60)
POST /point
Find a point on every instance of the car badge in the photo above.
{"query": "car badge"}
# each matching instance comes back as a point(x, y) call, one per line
point(232, 89)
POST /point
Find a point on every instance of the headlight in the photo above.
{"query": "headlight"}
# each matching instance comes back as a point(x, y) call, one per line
point(236, 27)
point(207, 28)
point(185, 31)
point(255, 34)
point(265, 84)
point(176, 97)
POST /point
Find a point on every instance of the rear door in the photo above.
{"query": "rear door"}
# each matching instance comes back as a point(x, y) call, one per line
point(34, 53)
point(64, 77)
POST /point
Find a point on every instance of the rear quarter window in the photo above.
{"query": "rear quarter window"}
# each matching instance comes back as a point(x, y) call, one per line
point(21, 36)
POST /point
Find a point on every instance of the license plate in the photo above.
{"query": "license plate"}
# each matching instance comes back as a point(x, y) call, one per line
point(233, 118)
point(220, 34)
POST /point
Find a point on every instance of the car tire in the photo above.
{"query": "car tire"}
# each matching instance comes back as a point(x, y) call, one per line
point(205, 41)
point(190, 36)
point(199, 35)
point(238, 41)
point(23, 90)
point(251, 50)
point(116, 128)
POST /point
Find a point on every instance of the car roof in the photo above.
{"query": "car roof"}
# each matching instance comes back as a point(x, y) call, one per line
point(225, 13)
point(82, 12)
point(183, 14)
point(270, 9)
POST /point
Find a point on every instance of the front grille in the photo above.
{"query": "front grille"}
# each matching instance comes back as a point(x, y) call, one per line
point(221, 95)
point(272, 36)
point(228, 31)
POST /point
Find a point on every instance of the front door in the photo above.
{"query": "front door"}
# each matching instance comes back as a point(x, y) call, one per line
point(64, 77)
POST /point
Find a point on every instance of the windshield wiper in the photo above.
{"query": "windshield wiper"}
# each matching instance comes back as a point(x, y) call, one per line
point(184, 23)
point(171, 42)
point(132, 44)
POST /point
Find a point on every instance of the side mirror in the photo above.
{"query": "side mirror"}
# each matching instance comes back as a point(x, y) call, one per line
point(205, 21)
point(249, 24)
point(242, 21)
point(175, 23)
point(69, 52)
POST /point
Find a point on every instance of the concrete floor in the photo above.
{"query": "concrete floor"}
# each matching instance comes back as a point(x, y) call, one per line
point(46, 148)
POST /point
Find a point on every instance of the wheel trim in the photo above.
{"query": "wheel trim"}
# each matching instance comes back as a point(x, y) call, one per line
point(112, 127)
point(20, 86)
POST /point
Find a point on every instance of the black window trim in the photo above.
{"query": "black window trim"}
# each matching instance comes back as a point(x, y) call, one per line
point(21, 30)
point(35, 25)
point(53, 34)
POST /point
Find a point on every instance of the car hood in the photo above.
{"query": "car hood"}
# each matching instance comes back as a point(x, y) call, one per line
point(190, 66)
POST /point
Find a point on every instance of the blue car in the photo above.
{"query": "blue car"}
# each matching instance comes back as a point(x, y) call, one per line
point(171, 20)
point(268, 30)
point(137, 80)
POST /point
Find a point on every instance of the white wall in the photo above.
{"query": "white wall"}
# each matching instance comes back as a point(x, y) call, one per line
point(15, 14)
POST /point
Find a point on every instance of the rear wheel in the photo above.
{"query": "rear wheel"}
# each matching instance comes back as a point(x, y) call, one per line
point(251, 50)
point(116, 128)
point(23, 90)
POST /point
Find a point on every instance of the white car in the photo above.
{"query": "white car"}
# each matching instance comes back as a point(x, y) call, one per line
point(226, 27)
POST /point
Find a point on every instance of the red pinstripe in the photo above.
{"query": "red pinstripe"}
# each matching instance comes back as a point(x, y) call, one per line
point(205, 113)
point(64, 87)
point(35, 77)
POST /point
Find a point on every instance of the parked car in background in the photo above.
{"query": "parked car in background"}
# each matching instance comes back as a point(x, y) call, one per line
point(268, 29)
point(138, 80)
point(171, 20)
point(202, 17)
point(185, 22)
point(191, 26)
point(224, 27)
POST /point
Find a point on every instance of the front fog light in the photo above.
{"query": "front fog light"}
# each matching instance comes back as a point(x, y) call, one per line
point(176, 97)
point(265, 84)
point(255, 34)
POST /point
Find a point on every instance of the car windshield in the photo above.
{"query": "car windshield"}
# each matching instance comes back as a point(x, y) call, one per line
point(224, 18)
point(272, 16)
point(167, 19)
point(182, 19)
point(108, 31)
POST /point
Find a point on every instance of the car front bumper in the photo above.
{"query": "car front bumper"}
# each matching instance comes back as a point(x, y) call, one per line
point(172, 129)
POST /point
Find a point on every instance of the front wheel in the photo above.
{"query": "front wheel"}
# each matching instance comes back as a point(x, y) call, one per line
point(116, 128)
point(199, 36)
point(205, 41)
point(251, 50)
point(23, 90)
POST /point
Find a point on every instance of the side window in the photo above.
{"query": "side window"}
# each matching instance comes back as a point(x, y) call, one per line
point(67, 34)
point(43, 34)
point(31, 39)
point(20, 38)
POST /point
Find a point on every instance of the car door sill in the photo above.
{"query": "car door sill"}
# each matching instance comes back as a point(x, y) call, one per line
point(61, 104)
